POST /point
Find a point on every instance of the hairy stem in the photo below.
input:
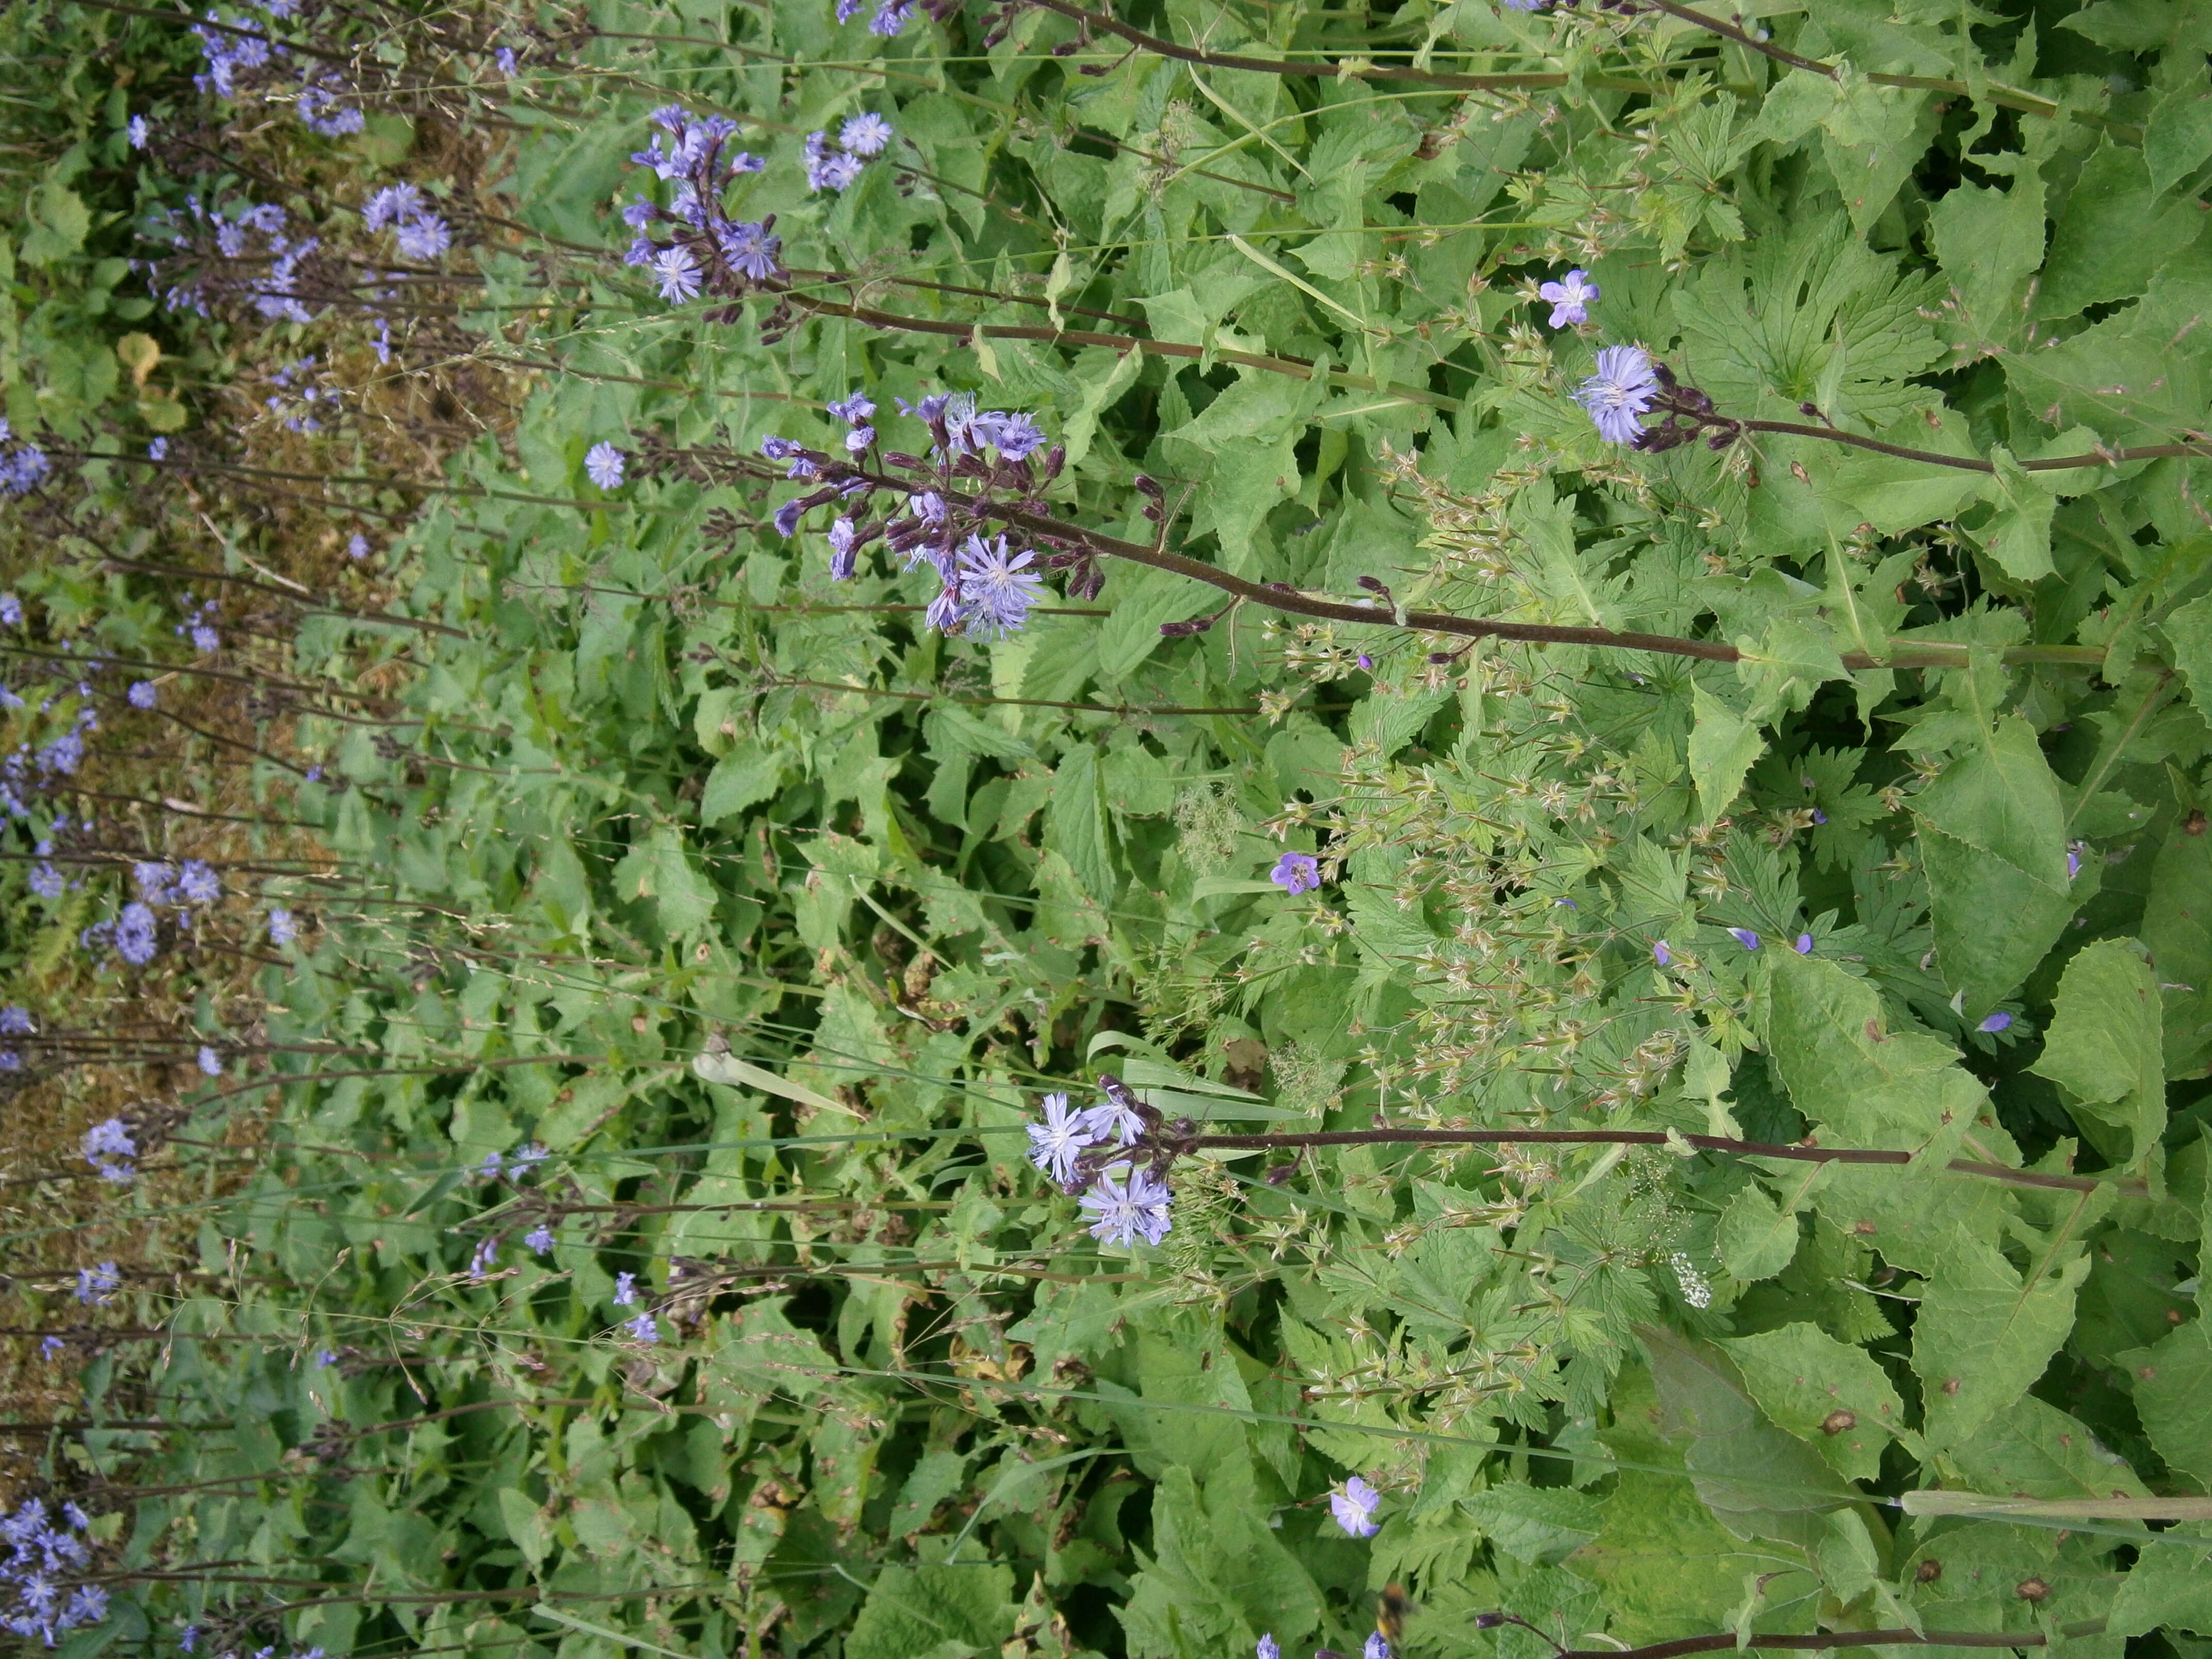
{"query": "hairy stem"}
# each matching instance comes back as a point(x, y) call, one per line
point(1799, 1153)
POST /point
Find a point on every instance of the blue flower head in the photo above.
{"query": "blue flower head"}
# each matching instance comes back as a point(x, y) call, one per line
point(1619, 393)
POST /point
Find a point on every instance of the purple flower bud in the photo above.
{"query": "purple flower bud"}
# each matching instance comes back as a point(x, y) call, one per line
point(1997, 1022)
point(1660, 954)
point(787, 516)
point(1804, 945)
point(1744, 937)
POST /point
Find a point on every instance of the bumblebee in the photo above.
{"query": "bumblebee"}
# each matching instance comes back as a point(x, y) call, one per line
point(1390, 1610)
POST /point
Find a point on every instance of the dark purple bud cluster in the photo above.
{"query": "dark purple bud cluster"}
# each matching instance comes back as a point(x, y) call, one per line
point(938, 508)
point(1688, 415)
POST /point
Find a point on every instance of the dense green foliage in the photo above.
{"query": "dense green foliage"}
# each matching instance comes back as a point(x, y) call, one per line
point(769, 912)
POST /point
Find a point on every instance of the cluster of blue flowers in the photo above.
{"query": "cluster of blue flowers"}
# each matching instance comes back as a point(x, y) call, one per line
point(42, 1554)
point(709, 251)
point(976, 457)
point(23, 467)
point(293, 402)
point(196, 623)
point(269, 277)
point(1099, 1147)
point(836, 167)
point(421, 235)
point(15, 1022)
point(891, 17)
point(238, 59)
point(96, 1287)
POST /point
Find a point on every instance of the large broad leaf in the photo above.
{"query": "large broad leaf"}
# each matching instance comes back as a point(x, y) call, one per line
point(1218, 1575)
point(1984, 1334)
point(2172, 1385)
point(1537, 1525)
point(2041, 1451)
point(2177, 927)
point(2103, 1045)
point(1668, 1571)
point(1075, 823)
point(1861, 1084)
point(1722, 745)
point(1993, 843)
point(2170, 1585)
point(1758, 1480)
point(1830, 1395)
point(657, 868)
point(945, 1610)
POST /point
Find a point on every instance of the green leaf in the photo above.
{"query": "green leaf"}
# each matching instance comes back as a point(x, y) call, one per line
point(947, 1612)
point(1833, 1396)
point(2104, 1045)
point(1984, 1333)
point(2172, 1385)
point(748, 774)
point(1990, 242)
point(2176, 930)
point(1075, 823)
point(1862, 1085)
point(2189, 631)
point(1758, 1481)
point(659, 868)
point(59, 223)
point(2112, 234)
point(1757, 1236)
point(1667, 1570)
point(2019, 537)
point(1723, 746)
point(1218, 1574)
point(1537, 1526)
point(1993, 843)
point(2178, 138)
point(2169, 1586)
point(2036, 1450)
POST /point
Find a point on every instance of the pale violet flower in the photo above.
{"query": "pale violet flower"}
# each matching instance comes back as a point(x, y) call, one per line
point(1354, 1504)
point(1569, 298)
point(603, 465)
point(1296, 873)
point(1619, 393)
point(1744, 937)
point(1125, 1214)
point(865, 134)
point(1055, 1144)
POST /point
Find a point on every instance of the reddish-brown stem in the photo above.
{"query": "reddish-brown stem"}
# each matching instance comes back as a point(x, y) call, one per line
point(1725, 1640)
point(1317, 71)
point(1124, 709)
point(1798, 1153)
point(1299, 367)
point(1975, 464)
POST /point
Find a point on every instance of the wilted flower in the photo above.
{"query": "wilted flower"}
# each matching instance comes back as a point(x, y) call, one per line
point(1354, 1504)
point(1620, 392)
